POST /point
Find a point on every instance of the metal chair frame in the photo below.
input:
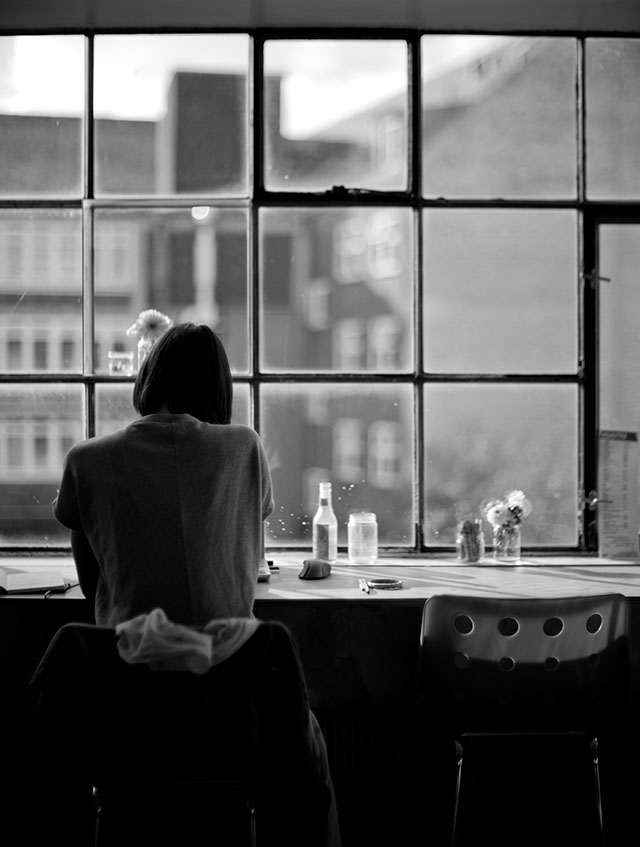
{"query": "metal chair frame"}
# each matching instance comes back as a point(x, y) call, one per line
point(496, 666)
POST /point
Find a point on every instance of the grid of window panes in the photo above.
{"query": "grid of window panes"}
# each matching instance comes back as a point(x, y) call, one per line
point(386, 232)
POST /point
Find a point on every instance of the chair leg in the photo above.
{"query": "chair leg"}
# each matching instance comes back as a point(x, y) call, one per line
point(97, 810)
point(456, 805)
point(596, 782)
point(252, 825)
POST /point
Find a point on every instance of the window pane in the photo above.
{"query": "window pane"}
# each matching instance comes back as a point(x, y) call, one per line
point(336, 289)
point(241, 413)
point(171, 114)
point(499, 116)
point(613, 117)
point(114, 407)
point(482, 441)
point(190, 264)
point(41, 110)
point(500, 291)
point(40, 290)
point(619, 307)
point(38, 424)
point(335, 115)
point(359, 437)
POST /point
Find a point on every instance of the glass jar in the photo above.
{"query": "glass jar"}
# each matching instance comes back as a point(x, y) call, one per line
point(362, 537)
point(470, 541)
point(507, 544)
point(144, 348)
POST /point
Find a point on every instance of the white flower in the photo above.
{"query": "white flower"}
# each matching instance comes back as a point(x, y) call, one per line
point(150, 325)
point(496, 512)
point(509, 511)
point(518, 503)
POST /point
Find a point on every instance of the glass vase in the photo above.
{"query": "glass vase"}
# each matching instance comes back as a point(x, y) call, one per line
point(506, 544)
point(144, 348)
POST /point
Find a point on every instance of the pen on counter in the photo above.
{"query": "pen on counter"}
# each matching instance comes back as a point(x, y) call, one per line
point(364, 586)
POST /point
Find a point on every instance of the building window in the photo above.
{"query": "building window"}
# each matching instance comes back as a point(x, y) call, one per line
point(349, 450)
point(350, 344)
point(384, 454)
point(383, 343)
point(40, 354)
point(318, 310)
point(14, 354)
point(350, 258)
point(431, 279)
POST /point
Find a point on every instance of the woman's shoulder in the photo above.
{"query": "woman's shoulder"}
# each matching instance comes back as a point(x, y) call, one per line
point(234, 432)
point(97, 444)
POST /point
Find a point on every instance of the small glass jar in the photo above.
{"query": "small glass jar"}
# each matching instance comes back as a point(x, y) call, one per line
point(362, 537)
point(470, 546)
point(120, 363)
point(144, 348)
point(507, 544)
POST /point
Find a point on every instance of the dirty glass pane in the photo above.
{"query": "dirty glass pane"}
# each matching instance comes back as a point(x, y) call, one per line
point(501, 291)
point(40, 290)
point(38, 425)
point(177, 104)
point(335, 114)
point(619, 307)
point(114, 407)
point(337, 289)
point(358, 437)
point(41, 113)
point(499, 116)
point(482, 441)
point(190, 264)
point(612, 74)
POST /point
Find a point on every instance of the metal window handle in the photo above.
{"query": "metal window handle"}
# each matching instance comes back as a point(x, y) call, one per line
point(593, 278)
point(591, 500)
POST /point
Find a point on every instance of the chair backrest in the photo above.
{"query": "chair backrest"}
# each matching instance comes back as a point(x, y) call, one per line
point(500, 663)
point(246, 719)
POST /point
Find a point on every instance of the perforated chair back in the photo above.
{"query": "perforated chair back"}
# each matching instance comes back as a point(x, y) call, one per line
point(495, 662)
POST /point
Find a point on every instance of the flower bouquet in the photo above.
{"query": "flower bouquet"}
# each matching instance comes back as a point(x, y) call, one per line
point(505, 516)
point(149, 326)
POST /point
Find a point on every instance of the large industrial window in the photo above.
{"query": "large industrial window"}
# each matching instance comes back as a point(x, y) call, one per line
point(396, 236)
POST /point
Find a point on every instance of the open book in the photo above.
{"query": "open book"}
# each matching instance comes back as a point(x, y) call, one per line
point(36, 581)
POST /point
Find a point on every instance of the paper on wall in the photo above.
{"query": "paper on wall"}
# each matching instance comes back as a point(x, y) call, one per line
point(618, 495)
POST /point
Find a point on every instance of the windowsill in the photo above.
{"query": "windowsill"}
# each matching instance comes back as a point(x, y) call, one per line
point(409, 560)
point(539, 576)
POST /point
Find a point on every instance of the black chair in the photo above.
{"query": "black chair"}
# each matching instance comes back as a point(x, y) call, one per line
point(178, 758)
point(525, 677)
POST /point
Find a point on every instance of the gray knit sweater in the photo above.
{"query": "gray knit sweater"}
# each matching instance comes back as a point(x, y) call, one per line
point(173, 511)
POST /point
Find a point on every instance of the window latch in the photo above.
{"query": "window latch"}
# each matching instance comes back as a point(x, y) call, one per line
point(593, 278)
point(591, 500)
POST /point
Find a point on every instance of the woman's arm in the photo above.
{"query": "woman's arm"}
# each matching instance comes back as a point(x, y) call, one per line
point(86, 564)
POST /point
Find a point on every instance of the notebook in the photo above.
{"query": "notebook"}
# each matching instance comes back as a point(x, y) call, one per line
point(36, 581)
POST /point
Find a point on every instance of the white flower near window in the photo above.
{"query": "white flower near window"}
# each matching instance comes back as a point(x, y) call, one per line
point(149, 326)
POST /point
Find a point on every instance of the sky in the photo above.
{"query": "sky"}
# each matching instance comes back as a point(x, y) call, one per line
point(323, 82)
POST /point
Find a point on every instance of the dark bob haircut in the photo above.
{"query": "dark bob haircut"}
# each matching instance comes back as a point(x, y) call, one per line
point(188, 370)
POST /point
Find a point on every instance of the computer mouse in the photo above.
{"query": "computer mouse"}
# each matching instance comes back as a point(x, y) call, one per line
point(315, 569)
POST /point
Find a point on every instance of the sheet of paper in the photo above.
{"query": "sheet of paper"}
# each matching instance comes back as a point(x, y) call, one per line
point(618, 495)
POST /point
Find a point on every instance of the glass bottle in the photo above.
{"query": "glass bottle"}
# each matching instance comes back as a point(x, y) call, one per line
point(325, 527)
point(362, 532)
